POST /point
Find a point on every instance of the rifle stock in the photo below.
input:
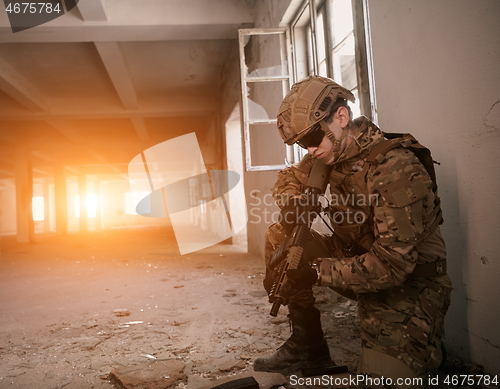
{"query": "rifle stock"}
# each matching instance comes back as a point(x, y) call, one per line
point(289, 255)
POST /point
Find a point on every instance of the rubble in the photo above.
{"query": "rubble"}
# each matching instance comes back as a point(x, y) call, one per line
point(59, 333)
point(121, 312)
point(157, 375)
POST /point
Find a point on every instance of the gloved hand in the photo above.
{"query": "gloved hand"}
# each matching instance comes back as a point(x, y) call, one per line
point(298, 211)
point(302, 278)
point(297, 280)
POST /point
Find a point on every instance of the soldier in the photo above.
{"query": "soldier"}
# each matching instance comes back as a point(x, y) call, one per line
point(386, 252)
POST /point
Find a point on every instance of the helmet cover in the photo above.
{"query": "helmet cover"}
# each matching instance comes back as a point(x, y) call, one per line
point(307, 103)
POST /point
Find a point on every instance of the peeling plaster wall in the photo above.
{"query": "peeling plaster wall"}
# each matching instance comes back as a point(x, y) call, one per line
point(436, 67)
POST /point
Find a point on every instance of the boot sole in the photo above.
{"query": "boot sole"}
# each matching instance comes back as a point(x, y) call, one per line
point(318, 363)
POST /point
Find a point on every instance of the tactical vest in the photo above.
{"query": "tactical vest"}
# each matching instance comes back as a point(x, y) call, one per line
point(354, 239)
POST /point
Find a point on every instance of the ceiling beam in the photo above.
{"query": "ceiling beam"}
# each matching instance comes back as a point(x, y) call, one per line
point(71, 169)
point(115, 169)
point(66, 130)
point(41, 171)
point(20, 89)
point(103, 160)
point(97, 155)
point(140, 128)
point(116, 66)
point(170, 106)
point(92, 10)
point(7, 172)
point(42, 155)
point(122, 33)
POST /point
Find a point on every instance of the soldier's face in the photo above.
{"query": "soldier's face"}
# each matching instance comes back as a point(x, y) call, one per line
point(327, 152)
point(323, 151)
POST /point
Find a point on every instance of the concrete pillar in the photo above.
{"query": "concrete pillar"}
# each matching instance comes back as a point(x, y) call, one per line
point(0, 225)
point(46, 205)
point(82, 191)
point(24, 196)
point(98, 216)
point(61, 201)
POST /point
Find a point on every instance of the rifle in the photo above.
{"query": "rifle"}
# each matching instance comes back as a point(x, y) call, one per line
point(290, 254)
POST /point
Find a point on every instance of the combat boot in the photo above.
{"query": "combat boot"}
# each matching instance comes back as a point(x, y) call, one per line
point(306, 347)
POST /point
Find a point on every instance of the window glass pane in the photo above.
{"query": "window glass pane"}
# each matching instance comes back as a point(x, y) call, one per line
point(265, 80)
point(264, 99)
point(310, 55)
point(323, 71)
point(302, 61)
point(320, 38)
point(344, 63)
point(38, 208)
point(321, 43)
point(356, 109)
point(77, 205)
point(302, 46)
point(273, 64)
point(263, 141)
point(91, 204)
point(341, 20)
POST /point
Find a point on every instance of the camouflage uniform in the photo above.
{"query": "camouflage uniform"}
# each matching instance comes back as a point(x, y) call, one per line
point(376, 255)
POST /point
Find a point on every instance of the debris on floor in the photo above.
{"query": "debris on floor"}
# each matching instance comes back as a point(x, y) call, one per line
point(83, 312)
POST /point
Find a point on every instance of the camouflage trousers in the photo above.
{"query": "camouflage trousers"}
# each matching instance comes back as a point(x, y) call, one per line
point(401, 327)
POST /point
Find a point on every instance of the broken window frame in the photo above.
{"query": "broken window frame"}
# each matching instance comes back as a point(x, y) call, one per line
point(301, 52)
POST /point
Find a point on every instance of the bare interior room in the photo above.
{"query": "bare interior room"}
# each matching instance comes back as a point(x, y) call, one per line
point(110, 105)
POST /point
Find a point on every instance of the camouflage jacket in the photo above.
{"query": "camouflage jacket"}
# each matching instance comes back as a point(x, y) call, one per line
point(380, 218)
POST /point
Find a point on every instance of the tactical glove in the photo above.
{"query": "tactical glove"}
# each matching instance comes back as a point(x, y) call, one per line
point(297, 280)
point(301, 278)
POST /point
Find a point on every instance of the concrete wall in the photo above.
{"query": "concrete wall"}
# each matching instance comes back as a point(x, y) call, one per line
point(436, 67)
point(8, 210)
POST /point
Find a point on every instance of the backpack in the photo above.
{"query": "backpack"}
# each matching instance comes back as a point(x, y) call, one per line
point(408, 141)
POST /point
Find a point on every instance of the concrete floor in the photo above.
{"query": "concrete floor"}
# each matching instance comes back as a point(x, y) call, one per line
point(122, 308)
point(102, 309)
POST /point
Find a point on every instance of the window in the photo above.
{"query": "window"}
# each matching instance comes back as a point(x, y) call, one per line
point(265, 80)
point(330, 40)
point(321, 43)
point(38, 206)
point(325, 37)
point(91, 206)
point(342, 48)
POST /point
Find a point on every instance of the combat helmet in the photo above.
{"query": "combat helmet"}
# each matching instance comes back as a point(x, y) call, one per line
point(307, 103)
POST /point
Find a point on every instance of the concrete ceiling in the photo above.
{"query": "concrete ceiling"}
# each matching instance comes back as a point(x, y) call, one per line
point(93, 88)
